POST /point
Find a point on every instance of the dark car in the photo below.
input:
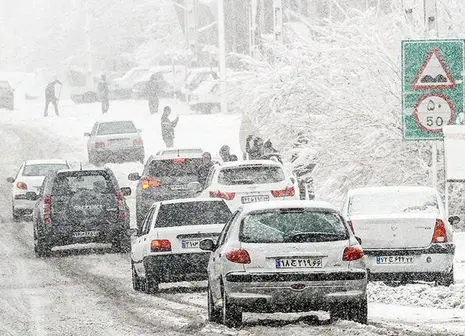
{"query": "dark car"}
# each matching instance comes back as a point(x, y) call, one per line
point(171, 174)
point(80, 206)
point(6, 95)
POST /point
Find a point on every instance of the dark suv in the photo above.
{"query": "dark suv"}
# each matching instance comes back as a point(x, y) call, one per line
point(80, 206)
point(171, 174)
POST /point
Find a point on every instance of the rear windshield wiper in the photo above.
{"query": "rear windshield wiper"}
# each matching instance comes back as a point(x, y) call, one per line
point(301, 237)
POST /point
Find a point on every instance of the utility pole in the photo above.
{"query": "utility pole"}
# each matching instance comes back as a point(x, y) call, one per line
point(87, 27)
point(278, 21)
point(222, 55)
point(190, 11)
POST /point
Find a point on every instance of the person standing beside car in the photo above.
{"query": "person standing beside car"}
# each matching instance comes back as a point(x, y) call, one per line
point(152, 92)
point(50, 97)
point(204, 168)
point(167, 127)
point(104, 94)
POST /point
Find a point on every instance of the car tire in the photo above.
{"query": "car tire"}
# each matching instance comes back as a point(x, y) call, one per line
point(136, 281)
point(231, 313)
point(214, 315)
point(356, 311)
point(446, 279)
point(42, 248)
point(16, 217)
point(122, 244)
point(151, 285)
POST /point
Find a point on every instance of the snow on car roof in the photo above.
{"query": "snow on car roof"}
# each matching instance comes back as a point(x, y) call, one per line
point(380, 189)
point(191, 200)
point(287, 204)
point(246, 163)
point(179, 152)
point(46, 161)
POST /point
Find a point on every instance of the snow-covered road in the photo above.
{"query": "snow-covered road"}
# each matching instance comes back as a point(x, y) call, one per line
point(80, 293)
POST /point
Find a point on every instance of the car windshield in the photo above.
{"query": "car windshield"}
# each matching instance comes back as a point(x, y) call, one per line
point(292, 226)
point(117, 127)
point(90, 181)
point(193, 213)
point(392, 202)
point(42, 169)
point(250, 175)
point(174, 167)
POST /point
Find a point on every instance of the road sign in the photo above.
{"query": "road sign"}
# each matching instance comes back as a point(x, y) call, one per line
point(432, 88)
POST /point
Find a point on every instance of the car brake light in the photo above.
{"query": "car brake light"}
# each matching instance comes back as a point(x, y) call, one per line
point(21, 185)
point(149, 183)
point(283, 193)
point(121, 207)
point(179, 160)
point(99, 144)
point(439, 234)
point(225, 195)
point(138, 142)
point(47, 208)
point(351, 253)
point(238, 256)
point(160, 245)
point(351, 225)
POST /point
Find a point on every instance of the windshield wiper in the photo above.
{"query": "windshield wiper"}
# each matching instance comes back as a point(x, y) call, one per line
point(301, 237)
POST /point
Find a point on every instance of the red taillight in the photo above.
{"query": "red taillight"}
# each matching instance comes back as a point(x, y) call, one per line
point(225, 195)
point(138, 142)
point(47, 207)
point(121, 207)
point(179, 160)
point(351, 226)
point(160, 245)
point(21, 185)
point(283, 193)
point(439, 234)
point(238, 256)
point(149, 183)
point(351, 253)
point(99, 144)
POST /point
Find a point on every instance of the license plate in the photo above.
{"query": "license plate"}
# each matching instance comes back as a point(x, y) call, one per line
point(394, 260)
point(255, 198)
point(190, 244)
point(85, 234)
point(118, 142)
point(299, 263)
point(178, 187)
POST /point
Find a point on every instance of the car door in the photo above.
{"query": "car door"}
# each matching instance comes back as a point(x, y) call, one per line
point(140, 241)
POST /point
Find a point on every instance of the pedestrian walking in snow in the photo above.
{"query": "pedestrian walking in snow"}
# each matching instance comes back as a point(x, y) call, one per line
point(104, 94)
point(255, 150)
point(167, 127)
point(152, 92)
point(204, 168)
point(50, 97)
point(225, 154)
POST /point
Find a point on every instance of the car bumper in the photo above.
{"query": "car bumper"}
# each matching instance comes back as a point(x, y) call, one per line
point(177, 267)
point(23, 206)
point(294, 292)
point(423, 263)
point(61, 236)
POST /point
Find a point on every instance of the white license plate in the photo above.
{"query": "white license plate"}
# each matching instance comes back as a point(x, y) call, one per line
point(178, 187)
point(85, 234)
point(299, 262)
point(255, 198)
point(394, 260)
point(190, 244)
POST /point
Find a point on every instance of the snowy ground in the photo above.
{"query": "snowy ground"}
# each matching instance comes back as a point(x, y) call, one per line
point(77, 293)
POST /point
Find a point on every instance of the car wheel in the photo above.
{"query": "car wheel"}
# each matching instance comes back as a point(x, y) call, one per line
point(41, 246)
point(446, 279)
point(136, 281)
point(151, 284)
point(356, 311)
point(16, 217)
point(214, 315)
point(232, 314)
point(122, 244)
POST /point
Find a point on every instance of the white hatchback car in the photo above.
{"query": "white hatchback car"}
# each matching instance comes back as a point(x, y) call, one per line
point(242, 182)
point(166, 248)
point(30, 176)
point(404, 233)
point(286, 256)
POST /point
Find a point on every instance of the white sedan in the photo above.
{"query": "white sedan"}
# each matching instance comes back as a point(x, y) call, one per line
point(404, 233)
point(29, 178)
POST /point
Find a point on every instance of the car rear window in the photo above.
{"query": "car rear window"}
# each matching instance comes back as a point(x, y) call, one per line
point(174, 167)
point(42, 169)
point(392, 202)
point(250, 175)
point(193, 213)
point(293, 226)
point(91, 181)
point(117, 127)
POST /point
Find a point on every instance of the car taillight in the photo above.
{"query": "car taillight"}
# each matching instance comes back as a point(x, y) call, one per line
point(138, 142)
point(121, 207)
point(238, 256)
point(439, 234)
point(179, 160)
point(351, 253)
point(99, 144)
point(351, 225)
point(47, 207)
point(160, 245)
point(149, 183)
point(225, 195)
point(21, 185)
point(283, 193)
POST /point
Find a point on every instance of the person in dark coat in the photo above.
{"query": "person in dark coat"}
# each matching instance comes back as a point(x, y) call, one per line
point(225, 155)
point(152, 92)
point(167, 127)
point(254, 151)
point(50, 97)
point(204, 168)
point(104, 94)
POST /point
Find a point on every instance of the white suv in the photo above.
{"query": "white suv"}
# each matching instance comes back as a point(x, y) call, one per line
point(29, 178)
point(242, 182)
point(404, 232)
point(288, 256)
point(167, 245)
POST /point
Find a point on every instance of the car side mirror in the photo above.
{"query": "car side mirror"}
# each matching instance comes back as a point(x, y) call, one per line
point(10, 179)
point(32, 196)
point(454, 220)
point(207, 245)
point(359, 240)
point(134, 177)
point(194, 187)
point(126, 191)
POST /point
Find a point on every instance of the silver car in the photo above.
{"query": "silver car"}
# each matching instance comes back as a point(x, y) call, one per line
point(286, 256)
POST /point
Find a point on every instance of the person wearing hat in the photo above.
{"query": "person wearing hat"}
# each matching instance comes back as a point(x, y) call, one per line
point(167, 127)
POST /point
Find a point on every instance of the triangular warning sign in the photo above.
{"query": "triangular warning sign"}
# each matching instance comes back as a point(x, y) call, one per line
point(433, 74)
